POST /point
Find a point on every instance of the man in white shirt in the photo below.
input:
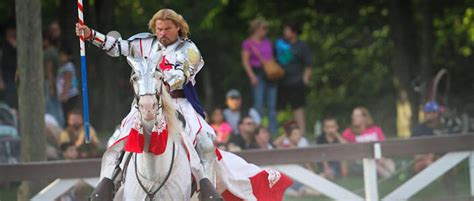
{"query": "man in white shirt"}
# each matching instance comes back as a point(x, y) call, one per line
point(234, 112)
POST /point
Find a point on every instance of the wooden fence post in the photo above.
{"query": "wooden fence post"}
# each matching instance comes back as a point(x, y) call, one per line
point(370, 179)
point(471, 172)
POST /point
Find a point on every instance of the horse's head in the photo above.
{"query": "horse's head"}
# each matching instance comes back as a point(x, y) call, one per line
point(152, 95)
point(148, 86)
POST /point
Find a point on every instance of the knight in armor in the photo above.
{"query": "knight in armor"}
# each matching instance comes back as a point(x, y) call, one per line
point(180, 62)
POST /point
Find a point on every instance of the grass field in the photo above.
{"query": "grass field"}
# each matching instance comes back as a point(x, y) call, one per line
point(454, 184)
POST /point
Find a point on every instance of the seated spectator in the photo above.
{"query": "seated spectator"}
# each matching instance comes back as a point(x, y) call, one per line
point(222, 128)
point(80, 191)
point(432, 120)
point(75, 133)
point(427, 128)
point(69, 151)
point(52, 131)
point(293, 137)
point(331, 135)
point(246, 139)
point(234, 112)
point(363, 129)
point(262, 139)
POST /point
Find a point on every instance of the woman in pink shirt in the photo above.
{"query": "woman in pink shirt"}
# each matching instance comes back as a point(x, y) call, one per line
point(363, 129)
point(222, 128)
point(256, 49)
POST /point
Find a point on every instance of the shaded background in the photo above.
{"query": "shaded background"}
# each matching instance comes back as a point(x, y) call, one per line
point(365, 52)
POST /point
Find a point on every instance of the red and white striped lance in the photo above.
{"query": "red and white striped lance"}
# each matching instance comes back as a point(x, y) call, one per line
point(80, 14)
point(85, 97)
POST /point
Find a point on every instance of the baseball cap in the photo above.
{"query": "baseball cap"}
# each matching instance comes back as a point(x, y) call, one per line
point(233, 93)
point(431, 106)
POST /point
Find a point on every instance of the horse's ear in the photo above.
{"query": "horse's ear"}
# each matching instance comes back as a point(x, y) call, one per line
point(135, 87)
point(158, 75)
point(155, 60)
point(133, 62)
point(159, 81)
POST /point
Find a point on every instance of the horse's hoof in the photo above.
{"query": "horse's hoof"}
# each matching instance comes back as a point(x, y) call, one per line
point(208, 192)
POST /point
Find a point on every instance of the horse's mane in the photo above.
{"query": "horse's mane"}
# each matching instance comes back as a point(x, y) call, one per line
point(174, 125)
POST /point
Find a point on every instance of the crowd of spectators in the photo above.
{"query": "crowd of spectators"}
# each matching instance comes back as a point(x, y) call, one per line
point(63, 119)
point(250, 133)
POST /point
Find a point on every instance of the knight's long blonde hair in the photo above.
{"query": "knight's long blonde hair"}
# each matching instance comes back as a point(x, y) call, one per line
point(168, 14)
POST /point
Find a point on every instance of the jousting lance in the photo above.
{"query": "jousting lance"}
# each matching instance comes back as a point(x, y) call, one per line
point(83, 72)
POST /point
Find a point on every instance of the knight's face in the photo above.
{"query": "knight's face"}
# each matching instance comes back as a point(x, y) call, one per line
point(166, 31)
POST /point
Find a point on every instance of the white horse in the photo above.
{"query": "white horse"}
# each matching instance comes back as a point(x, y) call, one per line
point(152, 160)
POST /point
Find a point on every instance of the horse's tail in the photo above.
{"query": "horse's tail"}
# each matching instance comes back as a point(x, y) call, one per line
point(174, 125)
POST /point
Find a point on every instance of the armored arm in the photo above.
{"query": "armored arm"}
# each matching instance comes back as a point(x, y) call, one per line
point(188, 64)
point(118, 46)
point(112, 46)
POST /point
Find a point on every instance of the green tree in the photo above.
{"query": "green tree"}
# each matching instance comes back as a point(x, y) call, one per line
point(30, 90)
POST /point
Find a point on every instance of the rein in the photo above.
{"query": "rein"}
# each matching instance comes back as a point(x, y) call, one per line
point(152, 194)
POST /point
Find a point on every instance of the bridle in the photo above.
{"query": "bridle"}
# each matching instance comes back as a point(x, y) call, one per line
point(151, 194)
point(133, 77)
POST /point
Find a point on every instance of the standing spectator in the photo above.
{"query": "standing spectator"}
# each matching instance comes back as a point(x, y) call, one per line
point(51, 65)
point(331, 135)
point(246, 139)
point(234, 111)
point(262, 139)
point(403, 116)
point(66, 81)
point(54, 33)
point(363, 129)
point(8, 66)
point(75, 133)
point(427, 128)
point(255, 49)
point(222, 128)
point(295, 57)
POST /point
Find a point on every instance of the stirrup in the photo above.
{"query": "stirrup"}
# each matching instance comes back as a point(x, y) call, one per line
point(208, 192)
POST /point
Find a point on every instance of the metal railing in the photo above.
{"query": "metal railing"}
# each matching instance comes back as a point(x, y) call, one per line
point(457, 147)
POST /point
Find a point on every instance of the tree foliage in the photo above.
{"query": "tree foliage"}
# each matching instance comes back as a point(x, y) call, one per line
point(351, 43)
